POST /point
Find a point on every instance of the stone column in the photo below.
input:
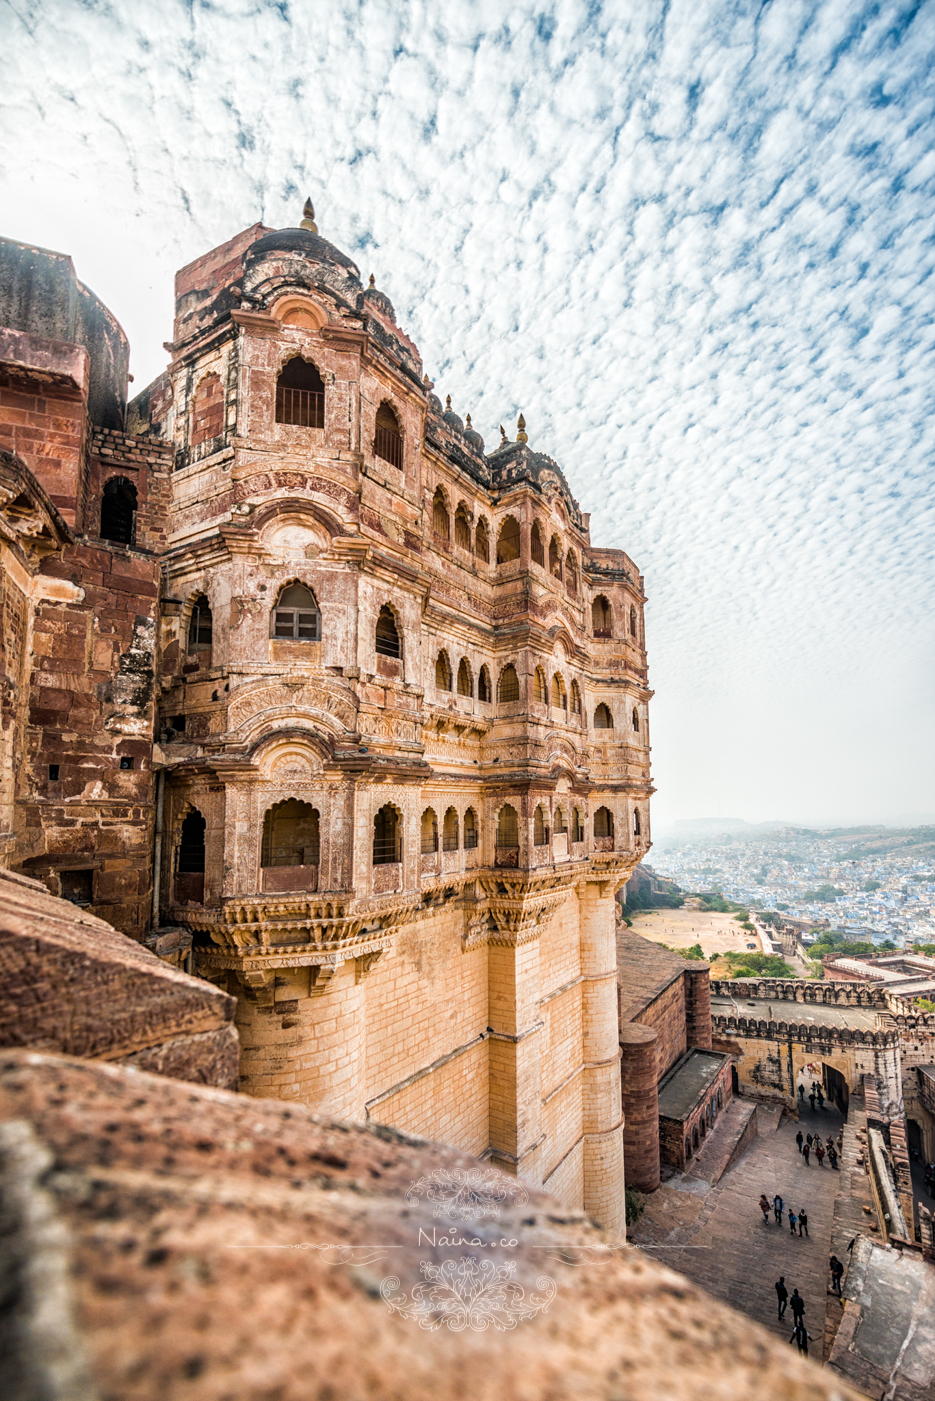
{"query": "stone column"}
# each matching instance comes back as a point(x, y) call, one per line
point(602, 1113)
point(302, 1037)
point(515, 1053)
point(640, 1105)
point(698, 1008)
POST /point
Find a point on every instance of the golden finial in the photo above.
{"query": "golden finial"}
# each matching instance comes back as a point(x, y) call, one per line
point(447, 403)
point(502, 434)
point(308, 217)
point(373, 280)
point(468, 420)
point(521, 430)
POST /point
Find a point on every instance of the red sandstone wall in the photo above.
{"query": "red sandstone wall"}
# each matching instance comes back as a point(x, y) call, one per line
point(666, 1016)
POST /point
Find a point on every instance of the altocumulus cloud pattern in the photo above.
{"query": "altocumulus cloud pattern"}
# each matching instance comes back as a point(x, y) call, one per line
point(691, 241)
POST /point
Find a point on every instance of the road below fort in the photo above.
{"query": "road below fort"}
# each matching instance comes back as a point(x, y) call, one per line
point(715, 1234)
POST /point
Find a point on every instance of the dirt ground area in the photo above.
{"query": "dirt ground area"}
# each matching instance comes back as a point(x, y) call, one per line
point(682, 928)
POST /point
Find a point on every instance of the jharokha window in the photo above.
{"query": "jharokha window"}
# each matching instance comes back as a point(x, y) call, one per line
point(296, 615)
point(465, 687)
point(601, 617)
point(508, 541)
point(442, 672)
point(387, 638)
point(441, 523)
point(603, 720)
point(291, 835)
point(387, 440)
point(300, 395)
point(462, 529)
point(386, 837)
point(508, 689)
point(470, 830)
point(535, 545)
point(483, 685)
point(482, 542)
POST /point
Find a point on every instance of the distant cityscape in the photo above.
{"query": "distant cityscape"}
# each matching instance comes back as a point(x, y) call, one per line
point(871, 883)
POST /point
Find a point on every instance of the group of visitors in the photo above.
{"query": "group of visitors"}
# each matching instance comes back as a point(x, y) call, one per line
point(800, 1333)
point(778, 1208)
point(811, 1143)
point(816, 1095)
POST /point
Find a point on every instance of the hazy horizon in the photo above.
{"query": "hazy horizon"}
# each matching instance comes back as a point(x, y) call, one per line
point(692, 243)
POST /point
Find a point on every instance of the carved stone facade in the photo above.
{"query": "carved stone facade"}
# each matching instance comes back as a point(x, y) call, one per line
point(401, 741)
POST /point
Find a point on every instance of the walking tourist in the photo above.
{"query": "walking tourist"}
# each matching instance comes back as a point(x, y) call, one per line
point(797, 1304)
point(782, 1295)
point(801, 1091)
point(792, 1220)
point(833, 1157)
point(819, 1153)
point(803, 1224)
point(799, 1139)
point(820, 1097)
point(808, 1140)
point(805, 1152)
point(802, 1336)
point(837, 1270)
point(778, 1205)
point(811, 1099)
point(764, 1207)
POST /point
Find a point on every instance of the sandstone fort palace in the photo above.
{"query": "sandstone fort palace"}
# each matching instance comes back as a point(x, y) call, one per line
point(324, 702)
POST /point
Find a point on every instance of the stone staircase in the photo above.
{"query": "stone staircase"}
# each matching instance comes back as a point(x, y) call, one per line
point(728, 1140)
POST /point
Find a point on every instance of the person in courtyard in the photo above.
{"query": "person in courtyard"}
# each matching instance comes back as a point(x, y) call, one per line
point(837, 1270)
point(782, 1295)
point(799, 1140)
point(803, 1224)
point(797, 1305)
point(805, 1152)
point(777, 1208)
point(833, 1157)
point(792, 1220)
point(764, 1207)
point(811, 1100)
point(802, 1336)
point(801, 1091)
point(820, 1097)
point(809, 1140)
point(820, 1153)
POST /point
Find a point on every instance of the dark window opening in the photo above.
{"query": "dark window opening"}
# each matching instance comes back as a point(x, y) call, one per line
point(386, 834)
point(387, 440)
point(470, 830)
point(200, 626)
point(77, 886)
point(296, 615)
point(535, 546)
point(387, 644)
point(603, 823)
point(192, 844)
point(508, 689)
point(636, 719)
point(636, 822)
point(53, 773)
point(603, 720)
point(300, 395)
point(442, 672)
point(632, 622)
point(577, 826)
point(560, 827)
point(450, 831)
point(508, 541)
point(483, 685)
point(291, 834)
point(575, 699)
point(428, 840)
point(559, 694)
point(482, 542)
point(540, 828)
point(440, 522)
point(462, 529)
point(118, 511)
point(601, 617)
point(126, 762)
point(465, 685)
point(539, 693)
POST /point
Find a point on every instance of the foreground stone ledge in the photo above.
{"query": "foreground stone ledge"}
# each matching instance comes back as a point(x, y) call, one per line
point(180, 1234)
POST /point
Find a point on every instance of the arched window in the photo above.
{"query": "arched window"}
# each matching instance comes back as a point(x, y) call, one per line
point(207, 410)
point(296, 615)
point(482, 541)
point(535, 545)
point(508, 688)
point(603, 720)
point(508, 827)
point(701, 1124)
point(603, 823)
point(291, 834)
point(465, 685)
point(539, 692)
point(636, 822)
point(695, 1136)
point(462, 528)
point(450, 831)
point(300, 395)
point(577, 825)
point(386, 834)
point(632, 622)
point(483, 685)
point(555, 557)
point(540, 827)
point(118, 511)
point(190, 861)
point(470, 830)
point(636, 719)
point(387, 634)
point(387, 440)
point(440, 522)
point(559, 694)
point(601, 617)
point(429, 838)
point(575, 699)
point(561, 826)
point(199, 630)
point(571, 575)
point(688, 1147)
point(508, 541)
point(442, 672)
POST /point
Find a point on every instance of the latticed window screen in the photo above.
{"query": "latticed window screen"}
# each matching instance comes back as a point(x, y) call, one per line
point(442, 673)
point(482, 542)
point(559, 694)
point(387, 635)
point(429, 834)
point(470, 830)
point(535, 546)
point(296, 615)
point(464, 679)
point(540, 827)
point(450, 831)
point(603, 823)
point(508, 541)
point(483, 685)
point(387, 440)
point(386, 843)
point(440, 523)
point(508, 689)
point(508, 827)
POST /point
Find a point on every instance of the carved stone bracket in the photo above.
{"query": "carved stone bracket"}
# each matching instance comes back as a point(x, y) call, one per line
point(518, 906)
point(476, 932)
point(367, 961)
point(258, 986)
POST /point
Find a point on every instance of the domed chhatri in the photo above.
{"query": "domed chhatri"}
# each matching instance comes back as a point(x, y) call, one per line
point(375, 299)
point(472, 435)
point(451, 418)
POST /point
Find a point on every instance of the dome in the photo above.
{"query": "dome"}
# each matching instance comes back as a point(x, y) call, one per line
point(451, 418)
point(435, 404)
point(380, 302)
point(473, 437)
point(306, 243)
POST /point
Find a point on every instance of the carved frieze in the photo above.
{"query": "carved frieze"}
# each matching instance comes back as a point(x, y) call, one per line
point(334, 707)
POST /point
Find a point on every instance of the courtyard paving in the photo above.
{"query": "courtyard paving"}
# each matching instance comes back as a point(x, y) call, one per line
point(715, 1234)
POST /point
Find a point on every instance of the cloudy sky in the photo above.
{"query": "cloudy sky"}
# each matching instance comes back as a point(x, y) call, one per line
point(692, 241)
